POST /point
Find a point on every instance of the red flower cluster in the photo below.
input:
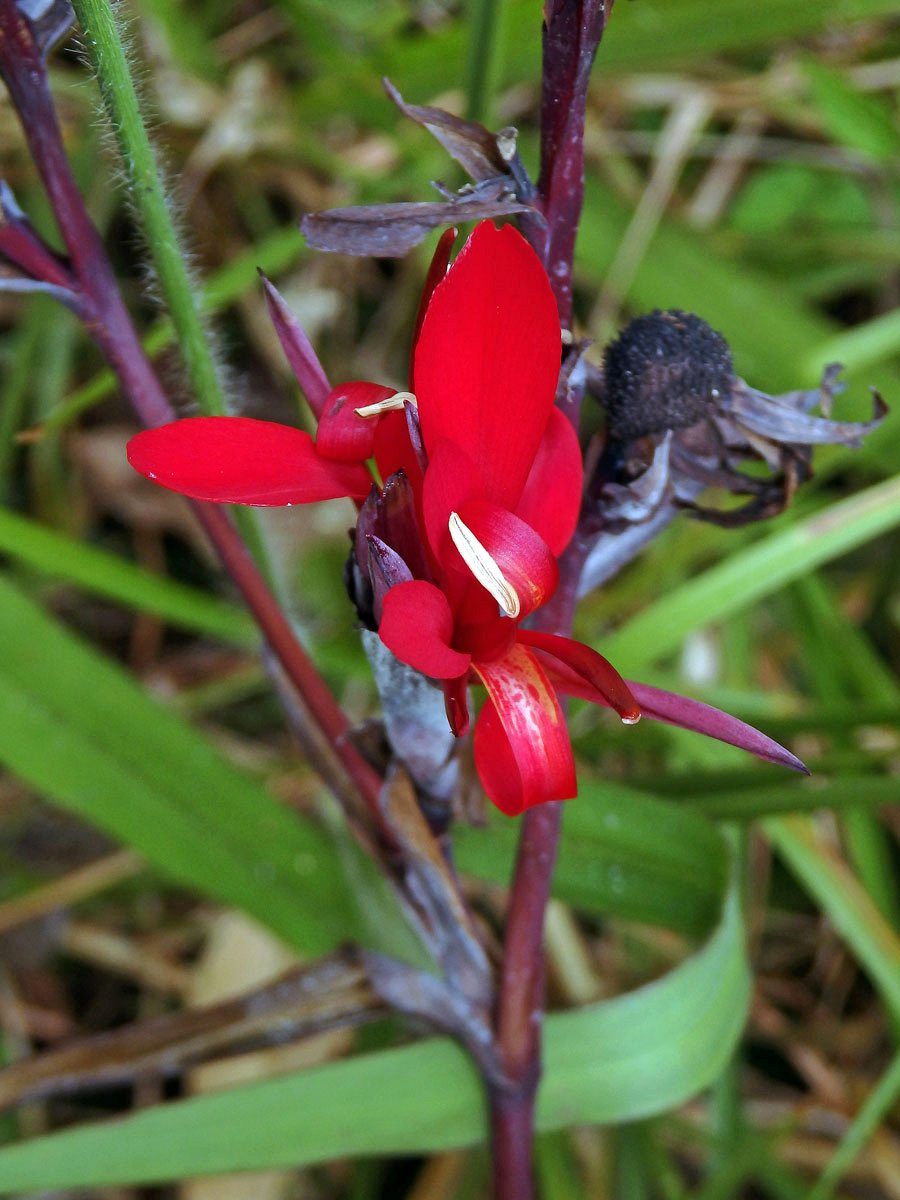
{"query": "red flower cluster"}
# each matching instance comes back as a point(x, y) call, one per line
point(492, 473)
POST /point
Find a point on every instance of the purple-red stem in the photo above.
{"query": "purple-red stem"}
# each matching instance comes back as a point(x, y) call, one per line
point(109, 323)
point(572, 32)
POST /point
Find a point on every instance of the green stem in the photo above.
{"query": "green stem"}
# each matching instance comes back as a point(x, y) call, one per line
point(482, 39)
point(877, 1105)
point(147, 192)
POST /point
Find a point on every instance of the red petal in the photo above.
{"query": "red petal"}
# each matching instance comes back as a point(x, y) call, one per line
point(436, 272)
point(417, 626)
point(591, 667)
point(523, 556)
point(394, 450)
point(488, 358)
point(451, 481)
point(236, 460)
point(551, 499)
point(341, 433)
point(522, 747)
point(456, 704)
point(298, 350)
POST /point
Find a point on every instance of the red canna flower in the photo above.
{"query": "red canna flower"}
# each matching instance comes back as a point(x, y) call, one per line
point(483, 479)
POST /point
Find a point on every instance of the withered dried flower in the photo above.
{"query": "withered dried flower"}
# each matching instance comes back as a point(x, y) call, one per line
point(681, 424)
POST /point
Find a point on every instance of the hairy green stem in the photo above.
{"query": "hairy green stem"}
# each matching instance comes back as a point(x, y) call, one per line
point(147, 192)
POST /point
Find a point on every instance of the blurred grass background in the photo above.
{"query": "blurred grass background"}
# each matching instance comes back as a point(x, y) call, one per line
point(743, 162)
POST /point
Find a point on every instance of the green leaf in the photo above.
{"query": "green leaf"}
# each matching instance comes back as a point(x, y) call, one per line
point(622, 854)
point(852, 117)
point(738, 582)
point(79, 730)
point(619, 1060)
point(105, 574)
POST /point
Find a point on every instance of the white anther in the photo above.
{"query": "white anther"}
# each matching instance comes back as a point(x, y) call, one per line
point(483, 567)
point(389, 405)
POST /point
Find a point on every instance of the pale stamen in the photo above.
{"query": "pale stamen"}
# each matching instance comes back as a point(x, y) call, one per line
point(483, 567)
point(391, 404)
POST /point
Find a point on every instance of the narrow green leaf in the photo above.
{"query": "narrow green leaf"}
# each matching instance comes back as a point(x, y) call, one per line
point(839, 894)
point(622, 854)
point(619, 1060)
point(741, 580)
point(854, 118)
point(82, 732)
point(105, 574)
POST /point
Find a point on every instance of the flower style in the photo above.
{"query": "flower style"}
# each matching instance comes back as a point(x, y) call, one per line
point(482, 492)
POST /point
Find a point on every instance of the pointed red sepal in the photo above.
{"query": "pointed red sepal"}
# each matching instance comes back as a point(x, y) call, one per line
point(523, 557)
point(297, 348)
point(342, 435)
point(238, 460)
point(456, 704)
point(687, 713)
point(386, 570)
point(522, 748)
point(436, 272)
point(417, 627)
point(488, 357)
point(599, 674)
point(672, 709)
point(551, 498)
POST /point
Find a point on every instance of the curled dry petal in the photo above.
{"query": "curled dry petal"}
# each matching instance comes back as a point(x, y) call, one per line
point(473, 146)
point(238, 460)
point(417, 626)
point(391, 230)
point(772, 418)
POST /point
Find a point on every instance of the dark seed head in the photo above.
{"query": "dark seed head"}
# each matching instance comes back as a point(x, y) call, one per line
point(665, 370)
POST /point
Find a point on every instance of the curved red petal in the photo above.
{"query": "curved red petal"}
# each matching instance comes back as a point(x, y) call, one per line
point(551, 498)
point(342, 434)
point(488, 358)
point(522, 748)
point(522, 555)
point(237, 460)
point(596, 671)
point(417, 627)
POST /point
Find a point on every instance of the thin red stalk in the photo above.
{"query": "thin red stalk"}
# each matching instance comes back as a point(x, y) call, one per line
point(111, 327)
point(572, 33)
